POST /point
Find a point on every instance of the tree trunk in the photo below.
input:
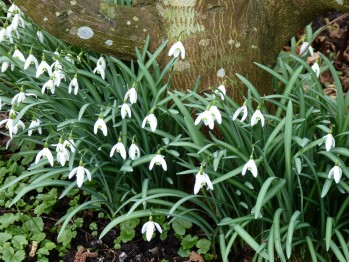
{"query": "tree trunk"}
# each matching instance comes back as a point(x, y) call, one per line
point(229, 34)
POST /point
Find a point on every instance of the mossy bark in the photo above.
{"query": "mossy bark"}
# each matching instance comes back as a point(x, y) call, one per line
point(229, 34)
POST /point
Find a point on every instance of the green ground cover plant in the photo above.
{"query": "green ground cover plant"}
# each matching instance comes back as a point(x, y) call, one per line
point(264, 173)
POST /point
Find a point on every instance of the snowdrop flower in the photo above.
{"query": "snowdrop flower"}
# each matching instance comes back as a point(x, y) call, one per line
point(207, 119)
point(251, 166)
point(69, 143)
point(256, 117)
point(46, 153)
point(102, 62)
point(243, 109)
point(74, 83)
point(221, 73)
point(34, 125)
point(40, 36)
point(12, 9)
point(201, 180)
point(43, 67)
point(2, 34)
point(335, 173)
point(316, 68)
point(100, 70)
point(120, 148)
point(215, 113)
point(221, 90)
point(132, 95)
point(69, 58)
point(158, 159)
point(306, 46)
point(100, 124)
point(9, 123)
point(329, 141)
point(16, 126)
point(62, 153)
point(49, 85)
point(17, 55)
point(149, 228)
point(177, 49)
point(125, 110)
point(56, 78)
point(31, 60)
point(21, 96)
point(0, 103)
point(134, 151)
point(17, 19)
point(151, 120)
point(80, 172)
point(4, 66)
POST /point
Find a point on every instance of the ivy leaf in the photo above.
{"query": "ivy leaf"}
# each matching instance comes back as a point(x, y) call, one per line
point(180, 226)
point(19, 241)
point(9, 255)
point(183, 252)
point(188, 241)
point(4, 237)
point(203, 246)
point(8, 219)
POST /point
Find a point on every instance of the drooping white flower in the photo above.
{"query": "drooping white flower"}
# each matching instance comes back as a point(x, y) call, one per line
point(158, 159)
point(177, 49)
point(16, 126)
point(74, 83)
point(102, 62)
point(243, 109)
point(125, 110)
point(11, 10)
point(17, 20)
point(40, 36)
point(46, 153)
point(329, 141)
point(70, 58)
point(31, 60)
point(335, 173)
point(132, 95)
point(221, 91)
point(256, 117)
point(134, 151)
point(207, 119)
point(251, 166)
point(202, 179)
point(306, 46)
point(80, 172)
point(62, 153)
point(100, 124)
point(221, 73)
point(120, 148)
point(151, 120)
point(316, 68)
point(149, 227)
point(17, 55)
point(56, 78)
point(9, 123)
point(43, 67)
point(21, 96)
point(100, 70)
point(49, 85)
point(2, 34)
point(215, 113)
point(34, 125)
point(69, 143)
point(4, 66)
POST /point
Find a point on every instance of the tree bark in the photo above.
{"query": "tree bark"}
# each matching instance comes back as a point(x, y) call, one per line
point(229, 34)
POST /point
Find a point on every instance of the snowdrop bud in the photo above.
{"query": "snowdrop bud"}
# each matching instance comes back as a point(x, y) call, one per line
point(40, 36)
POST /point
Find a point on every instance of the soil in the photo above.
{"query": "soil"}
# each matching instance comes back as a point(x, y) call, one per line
point(333, 42)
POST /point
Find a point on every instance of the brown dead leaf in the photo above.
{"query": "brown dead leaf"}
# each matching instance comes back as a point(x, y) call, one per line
point(195, 257)
point(312, 59)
